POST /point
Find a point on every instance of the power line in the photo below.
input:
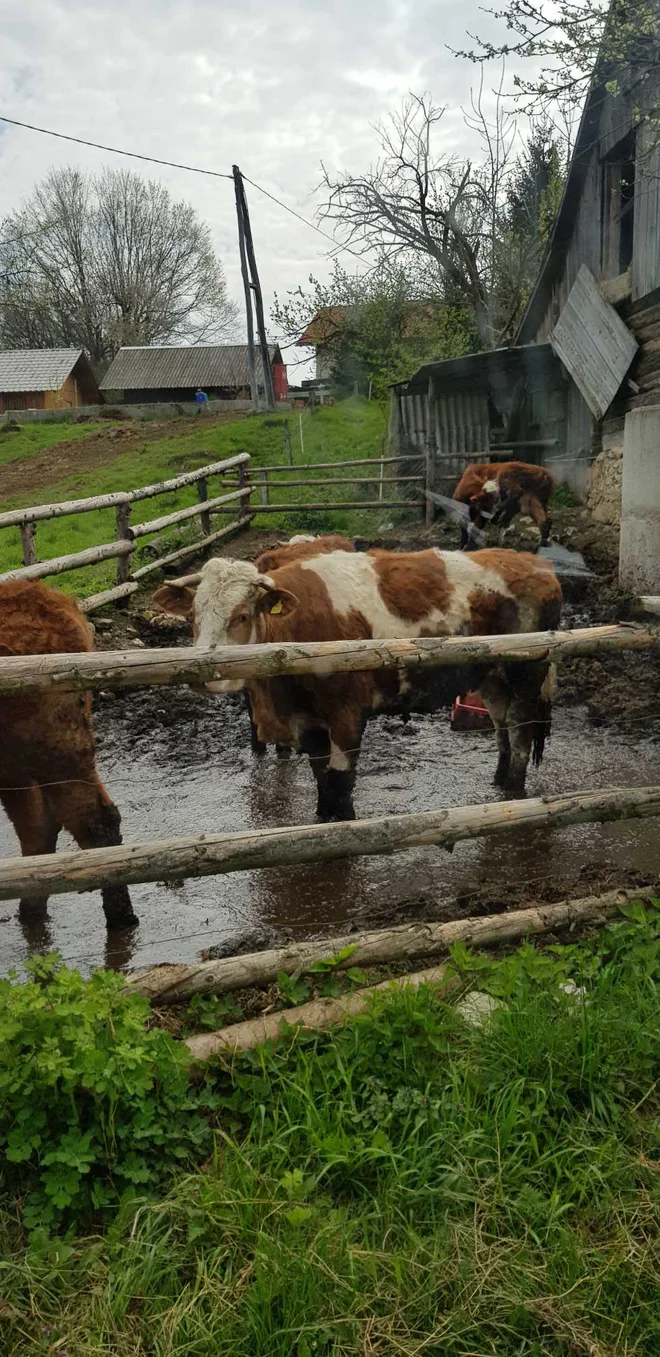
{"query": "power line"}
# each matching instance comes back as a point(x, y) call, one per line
point(177, 165)
point(346, 249)
point(116, 150)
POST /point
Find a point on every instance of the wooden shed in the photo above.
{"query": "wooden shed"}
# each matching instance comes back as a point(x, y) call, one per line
point(46, 379)
point(146, 373)
point(588, 347)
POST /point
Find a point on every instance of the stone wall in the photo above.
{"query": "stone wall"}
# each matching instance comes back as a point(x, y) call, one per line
point(605, 476)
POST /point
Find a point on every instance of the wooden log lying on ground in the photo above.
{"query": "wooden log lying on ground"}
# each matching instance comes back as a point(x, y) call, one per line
point(314, 1016)
point(211, 854)
point(125, 669)
point(170, 984)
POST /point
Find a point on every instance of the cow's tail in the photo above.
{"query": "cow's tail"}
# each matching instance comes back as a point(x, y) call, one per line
point(543, 719)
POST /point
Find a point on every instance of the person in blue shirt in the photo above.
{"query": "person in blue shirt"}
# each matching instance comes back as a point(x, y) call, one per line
point(201, 399)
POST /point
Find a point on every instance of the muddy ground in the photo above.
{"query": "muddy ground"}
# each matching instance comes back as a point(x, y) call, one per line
point(179, 762)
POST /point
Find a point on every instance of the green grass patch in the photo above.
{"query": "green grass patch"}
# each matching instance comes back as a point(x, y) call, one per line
point(406, 1184)
point(35, 437)
point(351, 429)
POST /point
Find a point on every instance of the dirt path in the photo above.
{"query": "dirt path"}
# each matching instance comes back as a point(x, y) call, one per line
point(41, 469)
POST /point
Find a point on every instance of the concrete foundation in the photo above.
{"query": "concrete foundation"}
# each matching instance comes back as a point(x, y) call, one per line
point(639, 561)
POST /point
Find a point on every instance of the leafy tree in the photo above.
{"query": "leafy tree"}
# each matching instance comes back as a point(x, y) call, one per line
point(379, 325)
point(572, 43)
point(105, 260)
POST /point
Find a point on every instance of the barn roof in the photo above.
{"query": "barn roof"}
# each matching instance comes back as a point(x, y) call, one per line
point(168, 366)
point(37, 369)
point(562, 231)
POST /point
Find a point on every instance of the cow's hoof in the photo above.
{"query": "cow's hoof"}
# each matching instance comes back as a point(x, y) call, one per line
point(336, 816)
point(500, 778)
point(116, 925)
point(514, 791)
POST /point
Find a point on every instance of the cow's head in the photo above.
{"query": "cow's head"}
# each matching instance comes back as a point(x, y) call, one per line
point(484, 504)
point(225, 601)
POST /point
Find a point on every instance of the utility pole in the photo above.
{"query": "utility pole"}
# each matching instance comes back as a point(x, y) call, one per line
point(252, 374)
point(255, 285)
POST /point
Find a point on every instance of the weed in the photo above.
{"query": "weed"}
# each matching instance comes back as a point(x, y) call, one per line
point(92, 1104)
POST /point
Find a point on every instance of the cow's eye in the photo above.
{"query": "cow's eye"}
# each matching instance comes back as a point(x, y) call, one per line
point(243, 617)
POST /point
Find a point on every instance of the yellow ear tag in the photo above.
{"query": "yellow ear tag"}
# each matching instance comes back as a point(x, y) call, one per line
point(277, 607)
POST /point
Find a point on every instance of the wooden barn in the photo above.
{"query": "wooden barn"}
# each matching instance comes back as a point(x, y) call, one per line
point(144, 374)
point(46, 379)
point(588, 348)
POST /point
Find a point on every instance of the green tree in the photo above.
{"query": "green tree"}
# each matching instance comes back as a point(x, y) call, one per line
point(379, 325)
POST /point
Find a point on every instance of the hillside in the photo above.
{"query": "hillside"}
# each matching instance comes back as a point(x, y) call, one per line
point(46, 463)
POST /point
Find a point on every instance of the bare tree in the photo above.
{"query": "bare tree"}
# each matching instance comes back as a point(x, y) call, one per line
point(420, 204)
point(101, 261)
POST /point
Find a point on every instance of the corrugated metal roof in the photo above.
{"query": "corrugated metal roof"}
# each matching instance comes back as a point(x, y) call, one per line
point(36, 369)
point(148, 369)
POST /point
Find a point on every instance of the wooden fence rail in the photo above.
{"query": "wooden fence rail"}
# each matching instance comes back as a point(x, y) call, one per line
point(212, 854)
point(125, 533)
point(128, 669)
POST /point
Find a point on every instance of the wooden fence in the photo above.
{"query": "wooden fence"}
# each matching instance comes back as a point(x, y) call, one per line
point(213, 854)
point(239, 483)
point(126, 534)
point(96, 670)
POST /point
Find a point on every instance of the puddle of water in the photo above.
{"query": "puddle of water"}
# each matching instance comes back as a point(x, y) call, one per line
point(178, 765)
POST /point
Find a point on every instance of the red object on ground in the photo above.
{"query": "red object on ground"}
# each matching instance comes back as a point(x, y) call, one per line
point(470, 713)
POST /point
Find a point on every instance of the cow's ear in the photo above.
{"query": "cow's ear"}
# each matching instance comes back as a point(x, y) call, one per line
point(177, 599)
point(277, 602)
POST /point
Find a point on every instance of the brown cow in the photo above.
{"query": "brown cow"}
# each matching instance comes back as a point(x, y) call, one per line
point(48, 777)
point(300, 549)
point(383, 595)
point(500, 490)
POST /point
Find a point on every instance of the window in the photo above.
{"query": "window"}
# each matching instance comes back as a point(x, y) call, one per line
point(618, 207)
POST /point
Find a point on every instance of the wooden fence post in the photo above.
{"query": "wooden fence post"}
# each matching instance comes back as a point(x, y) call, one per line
point(286, 432)
point(244, 504)
point(202, 495)
point(28, 531)
point(122, 532)
point(263, 476)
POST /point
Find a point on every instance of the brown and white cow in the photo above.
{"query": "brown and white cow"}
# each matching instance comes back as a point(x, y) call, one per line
point(500, 490)
point(380, 594)
point(48, 777)
point(301, 548)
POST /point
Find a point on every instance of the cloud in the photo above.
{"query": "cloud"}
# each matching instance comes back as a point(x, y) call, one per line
point(273, 88)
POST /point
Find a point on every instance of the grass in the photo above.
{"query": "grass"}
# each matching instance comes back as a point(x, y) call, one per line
point(35, 437)
point(406, 1185)
point(353, 428)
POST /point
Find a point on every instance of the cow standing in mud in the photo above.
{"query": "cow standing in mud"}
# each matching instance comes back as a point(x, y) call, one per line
point(497, 491)
point(48, 777)
point(383, 595)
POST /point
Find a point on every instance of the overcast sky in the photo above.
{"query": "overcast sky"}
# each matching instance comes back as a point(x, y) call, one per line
point(272, 87)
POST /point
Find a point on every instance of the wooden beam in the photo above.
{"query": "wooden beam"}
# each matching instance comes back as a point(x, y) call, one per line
point(93, 601)
point(60, 564)
point(125, 669)
point(651, 603)
point(194, 548)
point(171, 984)
point(182, 515)
point(317, 1015)
point(41, 512)
point(329, 505)
point(327, 466)
point(212, 854)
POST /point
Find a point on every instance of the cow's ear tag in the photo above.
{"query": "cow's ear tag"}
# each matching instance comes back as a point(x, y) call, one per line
point(277, 607)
